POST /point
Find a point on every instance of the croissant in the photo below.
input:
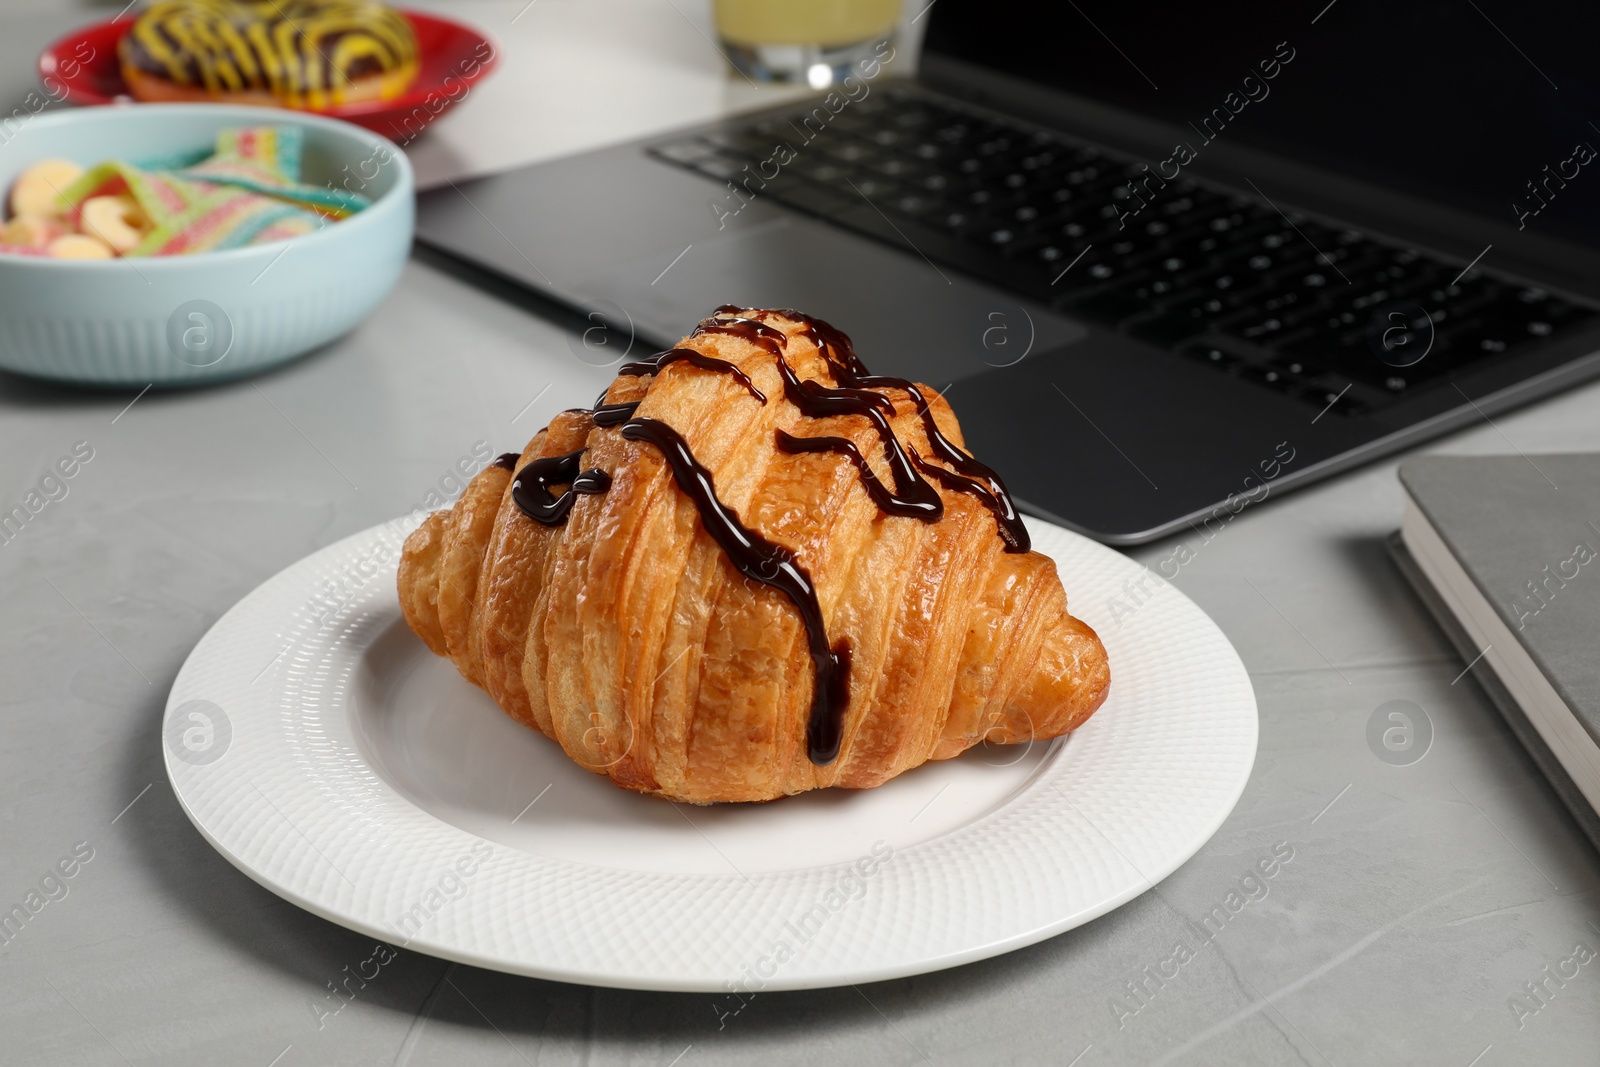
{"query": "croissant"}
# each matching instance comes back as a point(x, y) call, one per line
point(753, 569)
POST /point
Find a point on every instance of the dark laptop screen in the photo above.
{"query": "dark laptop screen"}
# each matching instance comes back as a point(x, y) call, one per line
point(1465, 101)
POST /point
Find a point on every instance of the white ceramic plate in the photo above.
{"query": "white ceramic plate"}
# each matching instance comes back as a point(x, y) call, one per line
point(331, 757)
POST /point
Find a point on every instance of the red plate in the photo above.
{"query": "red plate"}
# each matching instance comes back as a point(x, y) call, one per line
point(82, 68)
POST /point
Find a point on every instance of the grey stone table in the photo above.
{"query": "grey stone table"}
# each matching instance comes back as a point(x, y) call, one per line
point(1418, 901)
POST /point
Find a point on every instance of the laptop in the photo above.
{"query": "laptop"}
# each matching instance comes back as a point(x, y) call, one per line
point(1166, 260)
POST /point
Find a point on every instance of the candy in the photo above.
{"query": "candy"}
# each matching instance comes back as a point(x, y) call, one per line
point(31, 231)
point(79, 246)
point(116, 220)
point(35, 190)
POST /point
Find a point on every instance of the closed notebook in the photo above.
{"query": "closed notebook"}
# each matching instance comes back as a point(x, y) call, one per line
point(1506, 552)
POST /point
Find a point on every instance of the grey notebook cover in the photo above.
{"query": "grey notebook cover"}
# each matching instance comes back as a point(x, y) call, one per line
point(1527, 532)
point(1521, 728)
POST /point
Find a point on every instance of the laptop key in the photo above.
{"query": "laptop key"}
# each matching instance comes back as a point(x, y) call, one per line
point(1080, 279)
point(873, 188)
point(1312, 280)
point(1216, 354)
point(847, 151)
point(913, 118)
point(689, 151)
point(720, 167)
point(919, 205)
point(1302, 369)
point(821, 169)
point(745, 144)
point(1273, 377)
point(898, 168)
point(1053, 257)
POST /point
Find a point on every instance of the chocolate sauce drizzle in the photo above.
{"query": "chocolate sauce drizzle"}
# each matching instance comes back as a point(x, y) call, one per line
point(978, 479)
point(953, 481)
point(530, 489)
point(592, 481)
point(848, 370)
point(832, 342)
point(654, 364)
point(893, 504)
point(506, 461)
point(913, 496)
point(770, 564)
point(609, 415)
point(755, 331)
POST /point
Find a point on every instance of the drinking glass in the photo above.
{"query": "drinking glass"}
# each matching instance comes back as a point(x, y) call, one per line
point(812, 41)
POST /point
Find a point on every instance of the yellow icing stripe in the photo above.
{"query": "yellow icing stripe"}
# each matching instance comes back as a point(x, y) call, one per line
point(242, 56)
point(148, 34)
point(272, 67)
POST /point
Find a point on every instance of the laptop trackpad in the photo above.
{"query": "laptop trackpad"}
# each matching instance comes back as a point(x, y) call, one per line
point(907, 317)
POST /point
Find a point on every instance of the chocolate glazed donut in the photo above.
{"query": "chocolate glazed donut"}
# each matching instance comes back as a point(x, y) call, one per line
point(309, 54)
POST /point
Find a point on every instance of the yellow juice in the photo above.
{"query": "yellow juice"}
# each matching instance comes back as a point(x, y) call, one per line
point(816, 22)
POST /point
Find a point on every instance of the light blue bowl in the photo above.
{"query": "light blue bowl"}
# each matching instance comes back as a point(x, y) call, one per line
point(176, 320)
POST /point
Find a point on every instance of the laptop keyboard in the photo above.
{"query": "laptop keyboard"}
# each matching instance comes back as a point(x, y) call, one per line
point(1327, 315)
